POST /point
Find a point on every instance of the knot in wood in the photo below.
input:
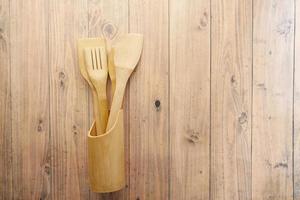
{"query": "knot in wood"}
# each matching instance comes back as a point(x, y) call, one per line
point(109, 30)
point(193, 136)
point(40, 125)
point(157, 105)
point(62, 77)
point(47, 169)
point(74, 127)
point(243, 118)
point(203, 21)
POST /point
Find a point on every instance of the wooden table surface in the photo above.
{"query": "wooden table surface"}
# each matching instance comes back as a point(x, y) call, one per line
point(226, 74)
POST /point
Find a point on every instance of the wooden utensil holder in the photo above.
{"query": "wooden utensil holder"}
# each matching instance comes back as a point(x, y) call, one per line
point(106, 159)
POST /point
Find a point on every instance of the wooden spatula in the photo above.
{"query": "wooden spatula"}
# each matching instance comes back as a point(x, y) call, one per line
point(84, 43)
point(96, 64)
point(127, 53)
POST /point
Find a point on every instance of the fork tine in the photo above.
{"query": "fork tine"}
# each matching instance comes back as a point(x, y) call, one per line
point(92, 59)
point(95, 58)
point(99, 54)
point(103, 58)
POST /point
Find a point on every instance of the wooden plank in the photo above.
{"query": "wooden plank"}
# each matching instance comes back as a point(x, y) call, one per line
point(231, 91)
point(6, 189)
point(109, 19)
point(148, 124)
point(30, 99)
point(69, 101)
point(189, 99)
point(272, 145)
point(297, 103)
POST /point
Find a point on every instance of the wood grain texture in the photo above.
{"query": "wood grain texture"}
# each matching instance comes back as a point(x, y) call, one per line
point(272, 146)
point(6, 190)
point(210, 110)
point(68, 101)
point(189, 116)
point(148, 124)
point(30, 99)
point(231, 89)
point(109, 19)
point(296, 128)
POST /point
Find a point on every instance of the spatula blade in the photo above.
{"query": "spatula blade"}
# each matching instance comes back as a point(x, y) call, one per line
point(128, 50)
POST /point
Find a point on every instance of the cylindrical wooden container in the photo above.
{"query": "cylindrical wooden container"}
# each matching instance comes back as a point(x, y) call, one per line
point(106, 161)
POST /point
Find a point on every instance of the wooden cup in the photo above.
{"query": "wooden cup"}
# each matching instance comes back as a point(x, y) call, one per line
point(106, 162)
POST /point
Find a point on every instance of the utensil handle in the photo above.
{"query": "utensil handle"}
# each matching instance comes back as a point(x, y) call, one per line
point(116, 105)
point(96, 113)
point(112, 72)
point(103, 108)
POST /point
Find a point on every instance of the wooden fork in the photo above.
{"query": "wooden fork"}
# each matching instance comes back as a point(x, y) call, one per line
point(96, 63)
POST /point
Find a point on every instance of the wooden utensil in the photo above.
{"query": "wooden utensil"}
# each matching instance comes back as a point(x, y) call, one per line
point(112, 70)
point(106, 158)
point(96, 64)
point(83, 43)
point(110, 38)
point(126, 56)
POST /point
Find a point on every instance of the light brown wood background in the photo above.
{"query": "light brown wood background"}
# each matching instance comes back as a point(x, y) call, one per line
point(227, 75)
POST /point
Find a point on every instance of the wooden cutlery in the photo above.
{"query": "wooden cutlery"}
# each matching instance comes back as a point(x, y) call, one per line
point(111, 65)
point(96, 65)
point(96, 59)
point(127, 53)
point(90, 43)
point(105, 139)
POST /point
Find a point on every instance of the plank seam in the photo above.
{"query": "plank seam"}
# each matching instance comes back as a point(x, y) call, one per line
point(10, 97)
point(88, 96)
point(293, 103)
point(252, 69)
point(49, 100)
point(128, 113)
point(169, 101)
point(210, 94)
